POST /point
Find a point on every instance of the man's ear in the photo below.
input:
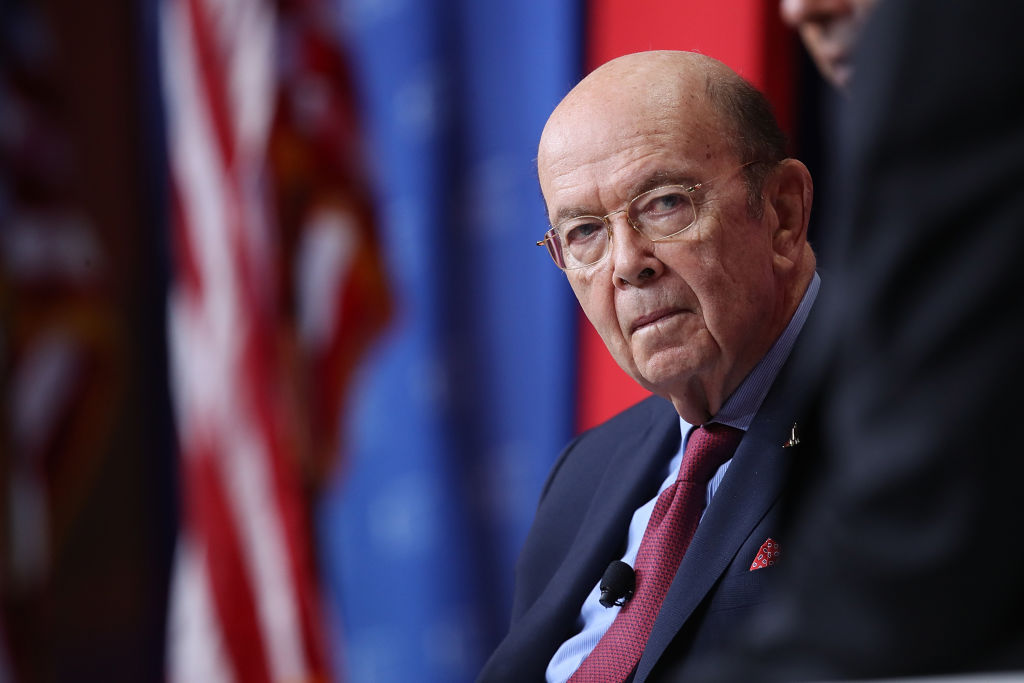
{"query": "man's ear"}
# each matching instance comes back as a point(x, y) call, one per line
point(790, 192)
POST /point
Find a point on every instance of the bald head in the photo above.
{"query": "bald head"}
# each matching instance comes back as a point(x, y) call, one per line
point(644, 83)
point(665, 90)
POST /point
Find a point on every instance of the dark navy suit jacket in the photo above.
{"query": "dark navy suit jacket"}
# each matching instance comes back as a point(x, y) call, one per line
point(598, 482)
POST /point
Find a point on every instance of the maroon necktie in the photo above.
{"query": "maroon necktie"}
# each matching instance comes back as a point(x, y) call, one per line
point(672, 525)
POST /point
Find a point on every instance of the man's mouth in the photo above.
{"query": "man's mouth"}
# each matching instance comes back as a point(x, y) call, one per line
point(652, 318)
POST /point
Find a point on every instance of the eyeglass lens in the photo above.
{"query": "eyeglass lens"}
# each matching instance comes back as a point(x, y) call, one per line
point(657, 214)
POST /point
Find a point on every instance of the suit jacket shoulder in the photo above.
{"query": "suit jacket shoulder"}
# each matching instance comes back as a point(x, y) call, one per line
point(582, 518)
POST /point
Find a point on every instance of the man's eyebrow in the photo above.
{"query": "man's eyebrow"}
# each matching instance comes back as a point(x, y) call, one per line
point(662, 178)
point(573, 212)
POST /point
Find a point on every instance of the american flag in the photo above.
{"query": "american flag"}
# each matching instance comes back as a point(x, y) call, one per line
point(277, 289)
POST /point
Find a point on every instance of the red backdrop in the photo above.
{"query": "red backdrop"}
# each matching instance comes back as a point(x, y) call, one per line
point(745, 34)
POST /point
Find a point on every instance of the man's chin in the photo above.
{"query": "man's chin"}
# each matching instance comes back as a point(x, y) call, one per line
point(840, 74)
point(663, 376)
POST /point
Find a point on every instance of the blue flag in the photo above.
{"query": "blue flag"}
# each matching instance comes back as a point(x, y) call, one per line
point(461, 409)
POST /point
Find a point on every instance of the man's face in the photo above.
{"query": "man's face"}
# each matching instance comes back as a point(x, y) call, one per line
point(687, 318)
point(829, 30)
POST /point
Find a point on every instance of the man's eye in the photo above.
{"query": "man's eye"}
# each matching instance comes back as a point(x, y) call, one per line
point(583, 231)
point(665, 203)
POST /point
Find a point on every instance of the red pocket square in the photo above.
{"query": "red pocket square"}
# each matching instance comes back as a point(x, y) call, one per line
point(767, 555)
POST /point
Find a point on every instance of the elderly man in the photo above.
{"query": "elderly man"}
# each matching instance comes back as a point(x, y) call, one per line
point(681, 228)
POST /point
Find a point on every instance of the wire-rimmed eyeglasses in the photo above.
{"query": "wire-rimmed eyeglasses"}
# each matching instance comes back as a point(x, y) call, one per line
point(658, 214)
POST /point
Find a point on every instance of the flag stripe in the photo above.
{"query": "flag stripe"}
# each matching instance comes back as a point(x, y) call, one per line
point(244, 517)
point(212, 521)
point(209, 70)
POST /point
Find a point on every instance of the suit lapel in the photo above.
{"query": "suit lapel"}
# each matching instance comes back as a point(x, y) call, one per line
point(754, 481)
point(631, 476)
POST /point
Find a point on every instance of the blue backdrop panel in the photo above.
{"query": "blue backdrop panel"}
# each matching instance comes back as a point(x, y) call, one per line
point(466, 401)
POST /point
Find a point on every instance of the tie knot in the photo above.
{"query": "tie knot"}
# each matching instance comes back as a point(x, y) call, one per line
point(707, 448)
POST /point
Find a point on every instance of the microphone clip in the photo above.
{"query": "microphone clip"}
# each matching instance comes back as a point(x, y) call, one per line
point(617, 584)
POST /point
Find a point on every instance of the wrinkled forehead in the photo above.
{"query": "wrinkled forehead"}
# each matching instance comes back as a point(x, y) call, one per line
point(628, 97)
point(608, 135)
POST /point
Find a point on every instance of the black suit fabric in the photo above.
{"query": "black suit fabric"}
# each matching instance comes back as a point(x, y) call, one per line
point(908, 558)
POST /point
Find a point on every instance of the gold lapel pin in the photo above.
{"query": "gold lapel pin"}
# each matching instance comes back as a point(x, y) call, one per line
point(793, 440)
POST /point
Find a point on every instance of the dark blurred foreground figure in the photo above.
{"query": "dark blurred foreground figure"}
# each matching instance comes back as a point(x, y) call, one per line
point(909, 560)
point(829, 30)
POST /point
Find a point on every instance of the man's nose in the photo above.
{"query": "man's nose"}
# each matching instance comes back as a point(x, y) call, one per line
point(633, 260)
